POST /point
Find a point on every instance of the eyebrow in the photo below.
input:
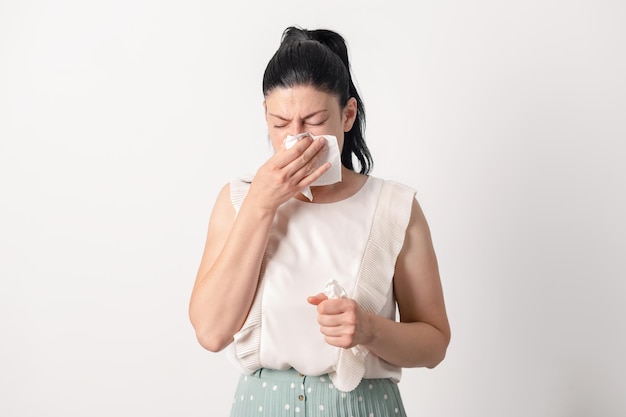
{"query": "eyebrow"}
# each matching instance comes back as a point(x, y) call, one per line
point(305, 117)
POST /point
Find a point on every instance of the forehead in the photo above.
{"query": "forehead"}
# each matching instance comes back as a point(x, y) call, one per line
point(299, 99)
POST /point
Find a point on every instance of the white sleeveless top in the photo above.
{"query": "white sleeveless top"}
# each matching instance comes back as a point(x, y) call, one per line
point(355, 241)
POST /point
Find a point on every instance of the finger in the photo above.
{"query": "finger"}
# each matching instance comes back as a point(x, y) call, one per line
point(305, 163)
point(333, 331)
point(336, 306)
point(312, 177)
point(294, 143)
point(316, 299)
point(284, 156)
point(316, 147)
point(330, 320)
point(340, 341)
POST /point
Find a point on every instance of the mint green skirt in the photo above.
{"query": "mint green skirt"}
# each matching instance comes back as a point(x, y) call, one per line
point(273, 393)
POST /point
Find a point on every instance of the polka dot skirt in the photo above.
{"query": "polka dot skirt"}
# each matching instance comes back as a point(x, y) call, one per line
point(289, 394)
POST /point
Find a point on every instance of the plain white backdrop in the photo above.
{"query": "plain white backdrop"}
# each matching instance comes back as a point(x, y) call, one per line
point(121, 120)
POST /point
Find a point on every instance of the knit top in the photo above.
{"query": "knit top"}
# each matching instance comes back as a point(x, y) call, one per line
point(354, 241)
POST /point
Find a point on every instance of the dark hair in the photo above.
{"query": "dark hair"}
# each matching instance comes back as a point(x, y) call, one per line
point(319, 58)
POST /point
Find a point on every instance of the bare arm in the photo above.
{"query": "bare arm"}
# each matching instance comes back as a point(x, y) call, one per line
point(229, 270)
point(421, 337)
point(228, 274)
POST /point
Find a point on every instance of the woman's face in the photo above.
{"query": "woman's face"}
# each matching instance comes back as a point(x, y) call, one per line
point(290, 111)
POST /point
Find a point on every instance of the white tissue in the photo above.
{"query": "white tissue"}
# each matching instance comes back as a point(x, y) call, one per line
point(334, 290)
point(333, 175)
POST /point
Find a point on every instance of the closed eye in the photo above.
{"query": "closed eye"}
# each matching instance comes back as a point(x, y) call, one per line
point(316, 123)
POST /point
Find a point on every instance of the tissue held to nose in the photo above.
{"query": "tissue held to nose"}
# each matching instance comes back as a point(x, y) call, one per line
point(333, 175)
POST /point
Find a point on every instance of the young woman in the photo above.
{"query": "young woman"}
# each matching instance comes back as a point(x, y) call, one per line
point(271, 253)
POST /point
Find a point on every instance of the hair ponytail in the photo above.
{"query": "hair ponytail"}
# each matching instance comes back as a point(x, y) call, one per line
point(320, 58)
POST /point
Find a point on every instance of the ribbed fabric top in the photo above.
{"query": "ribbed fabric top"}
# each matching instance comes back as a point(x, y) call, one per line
point(355, 241)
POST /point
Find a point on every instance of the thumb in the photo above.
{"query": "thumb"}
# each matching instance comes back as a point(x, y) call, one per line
point(316, 299)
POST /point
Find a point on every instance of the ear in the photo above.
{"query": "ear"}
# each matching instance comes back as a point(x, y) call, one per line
point(349, 114)
point(265, 109)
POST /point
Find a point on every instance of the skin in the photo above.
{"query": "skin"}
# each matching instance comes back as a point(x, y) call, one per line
point(217, 311)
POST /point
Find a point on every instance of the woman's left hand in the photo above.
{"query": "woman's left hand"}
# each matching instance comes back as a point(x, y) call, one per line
point(342, 322)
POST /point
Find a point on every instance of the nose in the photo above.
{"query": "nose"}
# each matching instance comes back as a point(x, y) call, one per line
point(297, 127)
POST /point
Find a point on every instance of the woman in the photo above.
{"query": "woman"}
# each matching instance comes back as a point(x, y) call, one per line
point(261, 288)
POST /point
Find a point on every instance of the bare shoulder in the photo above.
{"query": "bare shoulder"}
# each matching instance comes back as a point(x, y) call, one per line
point(417, 254)
point(223, 209)
point(418, 229)
point(220, 223)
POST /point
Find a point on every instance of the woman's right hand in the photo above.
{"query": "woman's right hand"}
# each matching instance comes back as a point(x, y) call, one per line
point(287, 173)
point(228, 275)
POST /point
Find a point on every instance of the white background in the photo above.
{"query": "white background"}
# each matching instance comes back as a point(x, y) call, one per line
point(121, 120)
